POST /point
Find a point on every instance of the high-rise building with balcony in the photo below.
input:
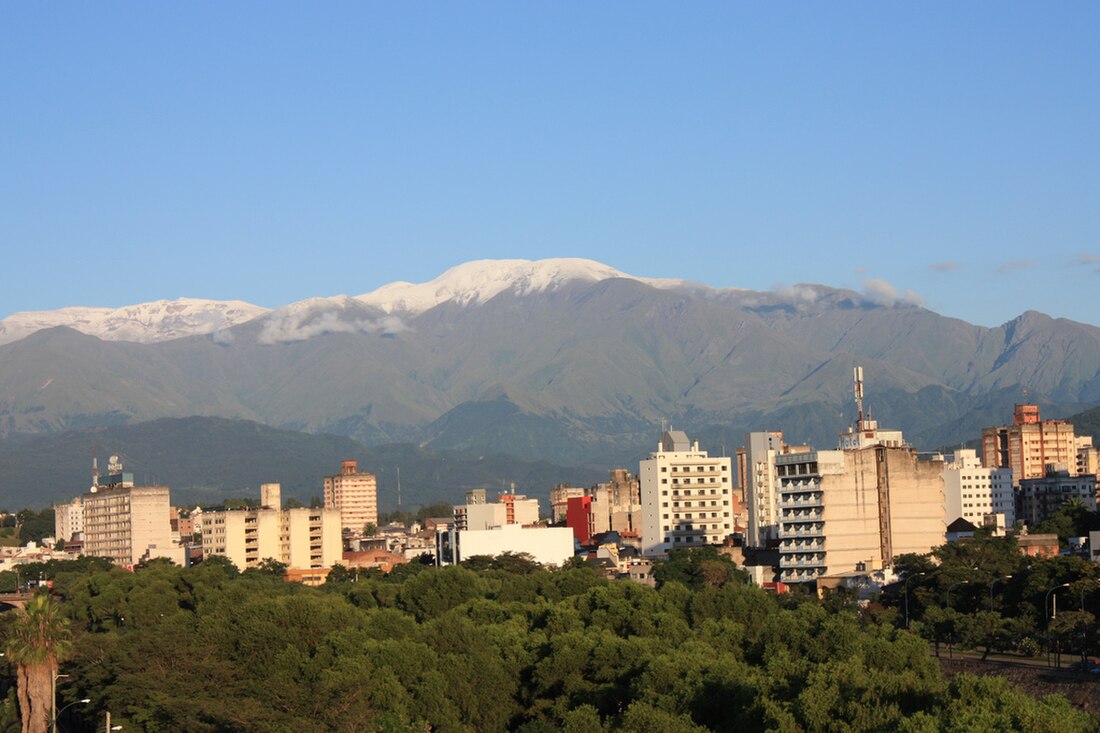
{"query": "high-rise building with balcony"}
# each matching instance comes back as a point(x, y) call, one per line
point(122, 521)
point(687, 496)
point(301, 538)
point(1029, 444)
point(355, 495)
point(859, 507)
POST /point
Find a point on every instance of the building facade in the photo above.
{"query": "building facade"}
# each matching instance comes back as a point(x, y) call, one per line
point(355, 495)
point(545, 545)
point(1039, 499)
point(477, 513)
point(1029, 444)
point(302, 538)
point(973, 492)
point(687, 496)
point(759, 485)
point(857, 508)
point(122, 522)
point(68, 520)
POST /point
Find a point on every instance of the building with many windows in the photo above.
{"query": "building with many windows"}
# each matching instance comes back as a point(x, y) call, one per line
point(355, 495)
point(1039, 499)
point(124, 522)
point(1029, 444)
point(859, 507)
point(976, 493)
point(477, 513)
point(687, 496)
point(302, 538)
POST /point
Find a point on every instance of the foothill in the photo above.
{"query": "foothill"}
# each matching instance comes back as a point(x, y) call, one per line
point(777, 588)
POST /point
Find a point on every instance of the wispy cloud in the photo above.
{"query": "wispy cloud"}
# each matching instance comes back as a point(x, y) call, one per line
point(1013, 265)
point(302, 326)
point(944, 266)
point(1085, 259)
point(881, 292)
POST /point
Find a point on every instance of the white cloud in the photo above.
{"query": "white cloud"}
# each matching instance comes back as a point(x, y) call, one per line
point(300, 326)
point(880, 292)
point(944, 266)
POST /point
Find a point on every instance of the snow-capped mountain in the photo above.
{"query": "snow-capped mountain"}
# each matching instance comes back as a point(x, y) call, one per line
point(161, 320)
point(478, 281)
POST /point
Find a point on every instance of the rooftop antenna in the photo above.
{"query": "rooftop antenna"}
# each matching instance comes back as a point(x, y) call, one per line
point(857, 372)
point(399, 487)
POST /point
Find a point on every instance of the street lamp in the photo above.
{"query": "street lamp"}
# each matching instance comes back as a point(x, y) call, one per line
point(906, 587)
point(53, 694)
point(1006, 577)
point(1052, 613)
point(956, 585)
point(1046, 603)
point(61, 712)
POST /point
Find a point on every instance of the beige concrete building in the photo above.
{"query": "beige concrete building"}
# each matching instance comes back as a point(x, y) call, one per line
point(1088, 457)
point(122, 522)
point(1029, 444)
point(559, 500)
point(301, 538)
point(355, 495)
point(758, 484)
point(687, 496)
point(857, 508)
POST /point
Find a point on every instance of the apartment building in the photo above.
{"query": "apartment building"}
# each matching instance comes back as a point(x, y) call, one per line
point(1029, 444)
point(301, 538)
point(477, 513)
point(68, 520)
point(355, 495)
point(1039, 499)
point(976, 493)
point(123, 522)
point(687, 496)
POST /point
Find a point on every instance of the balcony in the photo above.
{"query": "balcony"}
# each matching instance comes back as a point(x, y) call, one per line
point(802, 500)
point(808, 545)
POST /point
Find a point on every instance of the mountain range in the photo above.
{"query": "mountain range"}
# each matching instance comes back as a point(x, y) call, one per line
point(568, 361)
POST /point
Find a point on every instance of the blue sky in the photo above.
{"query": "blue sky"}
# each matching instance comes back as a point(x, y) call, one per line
point(276, 151)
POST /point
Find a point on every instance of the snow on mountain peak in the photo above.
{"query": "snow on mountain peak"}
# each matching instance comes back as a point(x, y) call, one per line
point(160, 320)
point(478, 281)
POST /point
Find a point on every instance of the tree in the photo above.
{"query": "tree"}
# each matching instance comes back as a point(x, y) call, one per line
point(40, 640)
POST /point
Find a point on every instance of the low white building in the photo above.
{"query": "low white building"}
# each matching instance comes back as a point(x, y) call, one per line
point(545, 545)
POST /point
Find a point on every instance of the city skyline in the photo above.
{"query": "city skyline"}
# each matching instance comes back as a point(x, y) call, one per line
point(268, 153)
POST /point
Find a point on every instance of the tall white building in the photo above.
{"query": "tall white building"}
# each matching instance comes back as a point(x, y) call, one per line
point(973, 492)
point(687, 496)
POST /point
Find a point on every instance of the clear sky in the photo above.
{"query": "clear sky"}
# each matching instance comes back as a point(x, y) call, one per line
point(273, 151)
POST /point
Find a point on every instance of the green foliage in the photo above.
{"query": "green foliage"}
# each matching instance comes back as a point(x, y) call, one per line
point(698, 567)
point(510, 647)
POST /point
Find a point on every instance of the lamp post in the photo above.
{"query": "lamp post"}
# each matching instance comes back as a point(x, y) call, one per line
point(1051, 613)
point(950, 644)
point(58, 713)
point(1006, 577)
point(906, 587)
point(955, 585)
point(53, 695)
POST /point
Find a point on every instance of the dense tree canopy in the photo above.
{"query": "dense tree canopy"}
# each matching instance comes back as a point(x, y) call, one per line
point(505, 646)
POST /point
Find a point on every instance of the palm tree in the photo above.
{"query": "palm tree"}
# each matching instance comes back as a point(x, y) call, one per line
point(39, 641)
